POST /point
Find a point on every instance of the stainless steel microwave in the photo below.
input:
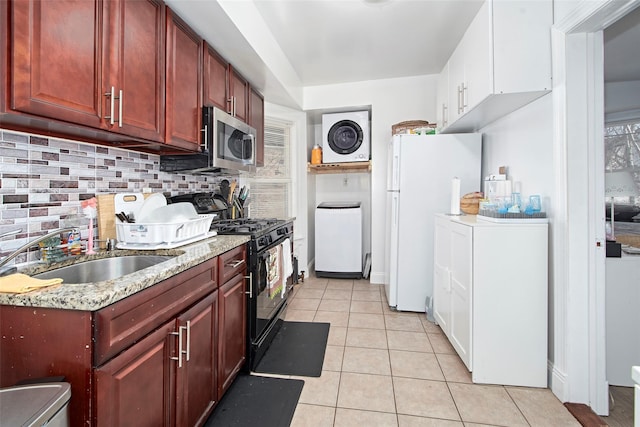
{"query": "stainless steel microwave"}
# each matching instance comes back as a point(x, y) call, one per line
point(228, 145)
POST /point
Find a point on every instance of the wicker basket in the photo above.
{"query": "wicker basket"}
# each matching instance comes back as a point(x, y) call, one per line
point(629, 239)
point(409, 126)
point(470, 203)
point(470, 206)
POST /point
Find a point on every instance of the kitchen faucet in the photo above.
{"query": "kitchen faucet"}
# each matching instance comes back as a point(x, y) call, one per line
point(7, 270)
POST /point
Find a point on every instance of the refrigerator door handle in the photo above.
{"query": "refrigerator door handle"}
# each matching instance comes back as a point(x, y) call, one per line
point(394, 211)
point(396, 172)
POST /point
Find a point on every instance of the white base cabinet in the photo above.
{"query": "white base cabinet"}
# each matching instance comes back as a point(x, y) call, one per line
point(490, 297)
point(636, 390)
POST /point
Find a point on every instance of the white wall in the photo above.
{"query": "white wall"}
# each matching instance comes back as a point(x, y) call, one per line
point(523, 141)
point(391, 101)
point(622, 101)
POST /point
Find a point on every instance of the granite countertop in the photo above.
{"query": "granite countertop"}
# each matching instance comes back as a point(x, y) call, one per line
point(94, 296)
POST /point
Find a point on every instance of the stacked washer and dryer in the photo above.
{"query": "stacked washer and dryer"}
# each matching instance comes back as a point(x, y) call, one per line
point(339, 225)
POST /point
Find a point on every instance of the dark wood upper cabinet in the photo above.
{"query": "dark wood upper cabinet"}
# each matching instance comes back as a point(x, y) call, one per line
point(125, 72)
point(133, 87)
point(184, 84)
point(93, 63)
point(238, 95)
point(56, 60)
point(216, 79)
point(256, 121)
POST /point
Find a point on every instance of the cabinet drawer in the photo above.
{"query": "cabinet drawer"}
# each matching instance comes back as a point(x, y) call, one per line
point(125, 322)
point(231, 263)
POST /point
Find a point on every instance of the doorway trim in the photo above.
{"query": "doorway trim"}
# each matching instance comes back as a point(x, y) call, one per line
point(578, 371)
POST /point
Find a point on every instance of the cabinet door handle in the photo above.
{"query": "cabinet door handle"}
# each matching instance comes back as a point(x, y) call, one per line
point(444, 115)
point(464, 97)
point(235, 264)
point(459, 100)
point(250, 292)
point(188, 329)
point(180, 350)
point(121, 112)
point(111, 95)
point(230, 101)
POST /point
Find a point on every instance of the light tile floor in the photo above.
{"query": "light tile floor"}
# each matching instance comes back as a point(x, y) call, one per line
point(384, 368)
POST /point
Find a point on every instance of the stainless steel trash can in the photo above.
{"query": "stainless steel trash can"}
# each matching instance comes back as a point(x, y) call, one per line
point(43, 404)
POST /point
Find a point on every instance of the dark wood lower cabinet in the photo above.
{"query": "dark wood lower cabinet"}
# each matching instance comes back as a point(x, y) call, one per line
point(136, 385)
point(232, 340)
point(196, 381)
point(161, 357)
point(139, 383)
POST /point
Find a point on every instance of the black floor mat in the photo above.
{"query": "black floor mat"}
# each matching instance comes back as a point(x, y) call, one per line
point(257, 401)
point(297, 349)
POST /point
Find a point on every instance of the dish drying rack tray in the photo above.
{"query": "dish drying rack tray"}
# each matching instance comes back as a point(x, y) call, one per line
point(153, 234)
point(523, 218)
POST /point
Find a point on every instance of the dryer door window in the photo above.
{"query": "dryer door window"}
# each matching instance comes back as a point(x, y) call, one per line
point(345, 137)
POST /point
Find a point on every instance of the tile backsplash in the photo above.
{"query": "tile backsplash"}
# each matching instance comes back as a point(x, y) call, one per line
point(43, 180)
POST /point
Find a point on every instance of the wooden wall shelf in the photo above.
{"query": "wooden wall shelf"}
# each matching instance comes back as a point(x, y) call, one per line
point(351, 167)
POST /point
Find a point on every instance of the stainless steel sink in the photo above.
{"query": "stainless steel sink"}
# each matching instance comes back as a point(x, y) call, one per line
point(98, 270)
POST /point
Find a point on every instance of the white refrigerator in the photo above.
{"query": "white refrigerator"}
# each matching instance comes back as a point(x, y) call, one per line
point(420, 172)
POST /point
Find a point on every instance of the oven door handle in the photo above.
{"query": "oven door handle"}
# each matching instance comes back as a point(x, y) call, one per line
point(250, 292)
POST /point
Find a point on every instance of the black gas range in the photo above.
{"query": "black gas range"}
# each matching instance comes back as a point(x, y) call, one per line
point(269, 267)
point(263, 231)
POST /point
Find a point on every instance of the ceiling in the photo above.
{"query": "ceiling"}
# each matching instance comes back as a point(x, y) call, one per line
point(329, 41)
point(622, 49)
point(282, 46)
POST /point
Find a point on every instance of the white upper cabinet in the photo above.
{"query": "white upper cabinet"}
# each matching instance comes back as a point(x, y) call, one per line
point(502, 63)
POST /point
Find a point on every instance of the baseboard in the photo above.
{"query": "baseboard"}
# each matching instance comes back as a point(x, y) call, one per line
point(558, 382)
point(585, 415)
point(376, 278)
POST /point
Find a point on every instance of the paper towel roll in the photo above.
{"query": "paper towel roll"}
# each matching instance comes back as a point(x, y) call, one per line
point(455, 196)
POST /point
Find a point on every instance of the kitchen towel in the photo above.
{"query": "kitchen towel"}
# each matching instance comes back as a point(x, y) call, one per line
point(287, 263)
point(20, 283)
point(274, 276)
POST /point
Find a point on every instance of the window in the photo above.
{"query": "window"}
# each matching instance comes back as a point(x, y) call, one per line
point(271, 188)
point(622, 150)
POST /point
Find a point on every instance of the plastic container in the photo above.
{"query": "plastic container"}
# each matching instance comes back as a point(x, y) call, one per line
point(35, 405)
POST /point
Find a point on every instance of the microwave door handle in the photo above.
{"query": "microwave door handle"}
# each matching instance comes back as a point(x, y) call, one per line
point(205, 139)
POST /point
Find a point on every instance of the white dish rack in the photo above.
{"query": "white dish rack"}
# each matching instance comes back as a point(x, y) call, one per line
point(163, 233)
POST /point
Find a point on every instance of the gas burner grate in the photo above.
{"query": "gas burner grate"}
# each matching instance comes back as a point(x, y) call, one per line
point(244, 225)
